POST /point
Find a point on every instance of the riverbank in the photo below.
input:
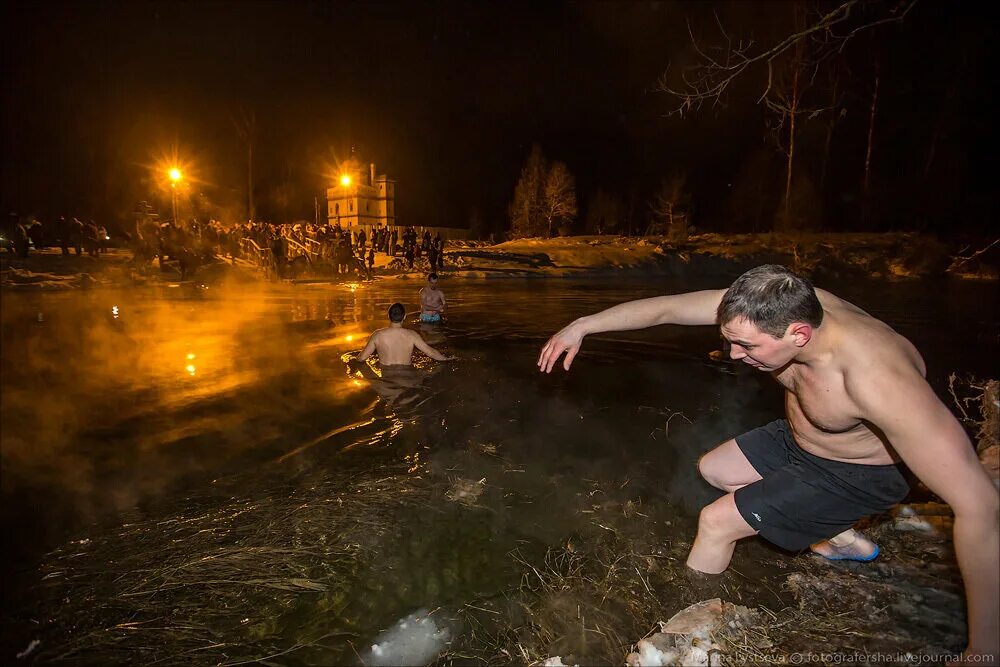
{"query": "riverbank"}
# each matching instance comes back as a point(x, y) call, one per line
point(878, 256)
point(895, 256)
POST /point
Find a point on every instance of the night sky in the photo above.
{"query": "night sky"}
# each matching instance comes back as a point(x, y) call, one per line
point(449, 97)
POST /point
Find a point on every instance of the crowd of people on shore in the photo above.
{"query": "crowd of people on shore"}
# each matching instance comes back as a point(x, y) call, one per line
point(345, 249)
point(80, 235)
point(284, 249)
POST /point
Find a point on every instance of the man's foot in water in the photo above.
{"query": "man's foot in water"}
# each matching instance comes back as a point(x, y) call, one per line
point(849, 545)
point(704, 586)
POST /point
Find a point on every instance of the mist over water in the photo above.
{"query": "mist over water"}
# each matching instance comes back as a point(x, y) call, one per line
point(118, 404)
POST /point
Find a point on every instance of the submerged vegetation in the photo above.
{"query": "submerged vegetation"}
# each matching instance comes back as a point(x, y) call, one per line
point(307, 569)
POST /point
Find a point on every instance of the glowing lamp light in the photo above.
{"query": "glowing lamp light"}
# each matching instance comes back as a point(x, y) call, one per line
point(345, 180)
point(190, 356)
point(175, 174)
point(114, 312)
point(190, 368)
point(348, 338)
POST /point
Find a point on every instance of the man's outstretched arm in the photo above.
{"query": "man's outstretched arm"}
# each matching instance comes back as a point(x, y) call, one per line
point(422, 345)
point(935, 447)
point(691, 308)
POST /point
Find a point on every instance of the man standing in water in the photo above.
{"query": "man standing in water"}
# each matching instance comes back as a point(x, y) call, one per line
point(432, 303)
point(856, 402)
point(394, 344)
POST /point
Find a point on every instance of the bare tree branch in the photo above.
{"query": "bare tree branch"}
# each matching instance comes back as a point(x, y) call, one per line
point(708, 80)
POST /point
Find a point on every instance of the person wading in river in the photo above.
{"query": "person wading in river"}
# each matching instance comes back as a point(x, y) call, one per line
point(432, 303)
point(394, 344)
point(856, 402)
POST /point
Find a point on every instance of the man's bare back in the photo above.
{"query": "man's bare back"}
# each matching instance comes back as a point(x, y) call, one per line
point(394, 346)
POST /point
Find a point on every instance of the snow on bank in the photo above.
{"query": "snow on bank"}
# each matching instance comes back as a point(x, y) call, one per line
point(892, 256)
point(39, 280)
point(557, 257)
point(50, 270)
point(897, 255)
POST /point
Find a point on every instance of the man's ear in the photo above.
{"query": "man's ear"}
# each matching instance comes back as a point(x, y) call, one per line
point(800, 332)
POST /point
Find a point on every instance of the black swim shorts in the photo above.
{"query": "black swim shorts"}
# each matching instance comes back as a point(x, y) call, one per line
point(803, 498)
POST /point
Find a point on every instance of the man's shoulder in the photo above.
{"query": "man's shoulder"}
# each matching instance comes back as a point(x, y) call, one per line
point(876, 372)
point(870, 346)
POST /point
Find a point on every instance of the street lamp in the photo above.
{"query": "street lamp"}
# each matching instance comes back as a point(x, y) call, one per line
point(175, 178)
point(345, 180)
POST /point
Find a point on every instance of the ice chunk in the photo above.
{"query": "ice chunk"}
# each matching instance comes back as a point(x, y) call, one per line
point(555, 661)
point(414, 640)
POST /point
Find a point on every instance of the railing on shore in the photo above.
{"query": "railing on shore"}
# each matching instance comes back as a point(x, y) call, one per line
point(320, 257)
point(262, 257)
point(297, 249)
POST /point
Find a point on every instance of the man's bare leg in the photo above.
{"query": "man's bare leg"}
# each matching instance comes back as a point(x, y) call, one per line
point(726, 468)
point(719, 526)
point(848, 545)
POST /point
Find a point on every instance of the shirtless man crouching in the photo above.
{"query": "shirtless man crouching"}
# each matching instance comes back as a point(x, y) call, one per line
point(856, 402)
point(394, 343)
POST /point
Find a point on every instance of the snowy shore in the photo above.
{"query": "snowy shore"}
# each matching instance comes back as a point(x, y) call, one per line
point(877, 256)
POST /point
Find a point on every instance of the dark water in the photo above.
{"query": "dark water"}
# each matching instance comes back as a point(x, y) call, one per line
point(137, 407)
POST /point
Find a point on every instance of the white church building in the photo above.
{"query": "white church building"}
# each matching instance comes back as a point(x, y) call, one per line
point(360, 199)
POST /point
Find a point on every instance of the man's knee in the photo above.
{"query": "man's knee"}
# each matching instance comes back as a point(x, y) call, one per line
point(722, 519)
point(705, 468)
point(710, 470)
point(727, 468)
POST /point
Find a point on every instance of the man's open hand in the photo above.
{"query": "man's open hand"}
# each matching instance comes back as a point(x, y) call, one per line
point(567, 341)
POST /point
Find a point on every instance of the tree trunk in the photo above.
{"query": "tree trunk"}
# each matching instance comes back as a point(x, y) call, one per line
point(868, 154)
point(931, 151)
point(793, 111)
point(826, 155)
point(938, 129)
point(871, 134)
point(829, 141)
point(250, 211)
point(631, 210)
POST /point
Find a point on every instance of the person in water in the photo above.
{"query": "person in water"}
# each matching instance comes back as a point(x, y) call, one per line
point(394, 344)
point(432, 303)
point(856, 403)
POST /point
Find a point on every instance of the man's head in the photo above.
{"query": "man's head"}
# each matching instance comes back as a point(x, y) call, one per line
point(432, 279)
point(768, 315)
point(396, 313)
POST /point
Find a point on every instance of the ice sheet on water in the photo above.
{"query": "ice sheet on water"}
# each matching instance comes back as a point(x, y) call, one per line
point(414, 640)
